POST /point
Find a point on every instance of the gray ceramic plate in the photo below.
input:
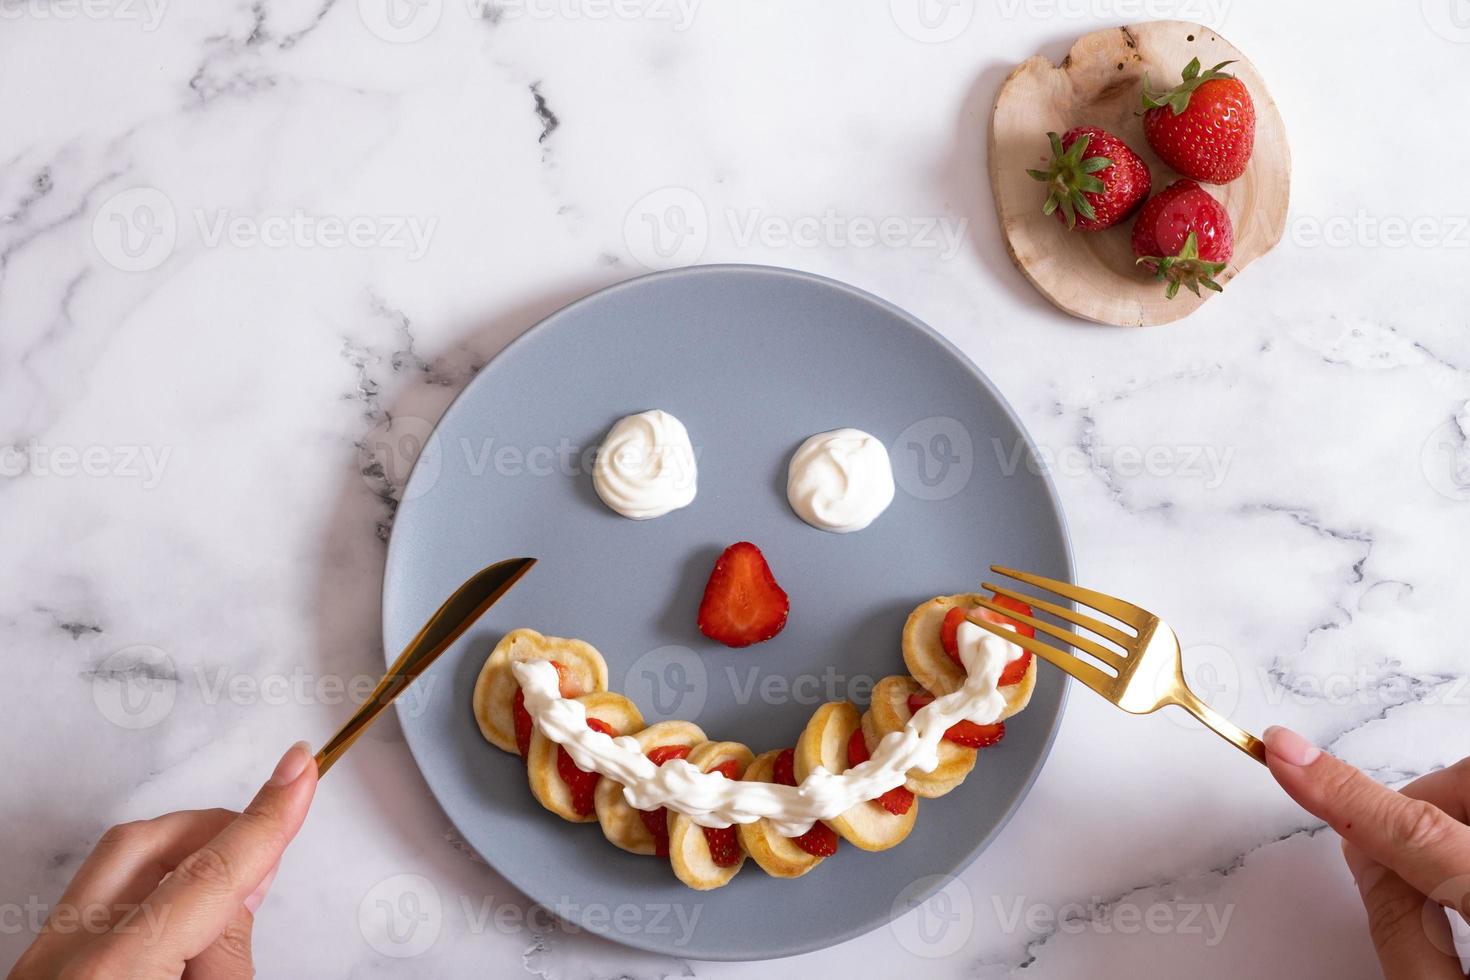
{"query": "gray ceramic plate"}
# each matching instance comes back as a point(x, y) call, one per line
point(753, 360)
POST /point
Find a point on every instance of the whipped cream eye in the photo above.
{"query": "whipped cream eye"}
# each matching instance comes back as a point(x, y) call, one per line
point(645, 466)
point(840, 480)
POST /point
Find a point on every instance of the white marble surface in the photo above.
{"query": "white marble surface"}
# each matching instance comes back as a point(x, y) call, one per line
point(186, 414)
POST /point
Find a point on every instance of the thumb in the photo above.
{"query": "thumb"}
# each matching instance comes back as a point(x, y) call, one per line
point(1417, 840)
point(195, 904)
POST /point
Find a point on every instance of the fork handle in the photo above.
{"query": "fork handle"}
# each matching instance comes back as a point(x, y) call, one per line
point(1222, 726)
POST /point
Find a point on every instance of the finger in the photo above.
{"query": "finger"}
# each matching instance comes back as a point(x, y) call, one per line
point(1448, 789)
point(229, 956)
point(195, 903)
point(1418, 840)
point(1410, 932)
point(126, 865)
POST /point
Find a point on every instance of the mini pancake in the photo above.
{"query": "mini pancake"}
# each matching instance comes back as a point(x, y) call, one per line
point(583, 672)
point(689, 852)
point(889, 712)
point(923, 653)
point(778, 856)
point(824, 743)
point(622, 824)
point(550, 790)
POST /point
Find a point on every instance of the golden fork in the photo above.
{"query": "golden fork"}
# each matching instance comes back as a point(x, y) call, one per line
point(448, 623)
point(1146, 670)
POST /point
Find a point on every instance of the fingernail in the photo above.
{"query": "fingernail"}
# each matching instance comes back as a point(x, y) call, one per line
point(258, 896)
point(1290, 747)
point(292, 765)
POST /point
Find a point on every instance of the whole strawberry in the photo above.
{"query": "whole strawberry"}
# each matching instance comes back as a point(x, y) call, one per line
point(1205, 127)
point(1095, 180)
point(1184, 237)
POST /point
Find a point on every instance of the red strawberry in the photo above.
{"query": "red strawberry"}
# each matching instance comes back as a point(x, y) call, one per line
point(949, 635)
point(1095, 180)
point(742, 602)
point(821, 840)
point(1205, 127)
point(1184, 237)
point(582, 783)
point(522, 717)
point(724, 842)
point(657, 821)
point(896, 801)
point(973, 736)
point(966, 733)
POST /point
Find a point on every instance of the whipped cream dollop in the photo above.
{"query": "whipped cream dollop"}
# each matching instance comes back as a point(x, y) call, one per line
point(645, 466)
point(711, 800)
point(840, 480)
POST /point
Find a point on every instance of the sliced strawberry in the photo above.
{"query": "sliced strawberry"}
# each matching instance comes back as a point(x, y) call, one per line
point(724, 842)
point(1015, 670)
point(582, 783)
point(524, 724)
point(821, 840)
point(949, 633)
point(742, 602)
point(897, 800)
point(966, 733)
point(657, 821)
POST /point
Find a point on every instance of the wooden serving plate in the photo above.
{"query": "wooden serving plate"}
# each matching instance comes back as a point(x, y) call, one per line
point(1092, 274)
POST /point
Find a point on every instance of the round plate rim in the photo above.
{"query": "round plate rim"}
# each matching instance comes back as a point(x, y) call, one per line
point(935, 882)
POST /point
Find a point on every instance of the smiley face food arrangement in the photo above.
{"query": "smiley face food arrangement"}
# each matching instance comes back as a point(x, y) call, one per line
point(669, 791)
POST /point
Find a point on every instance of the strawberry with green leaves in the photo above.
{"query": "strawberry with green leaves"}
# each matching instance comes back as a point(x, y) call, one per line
point(1184, 237)
point(1205, 127)
point(1094, 181)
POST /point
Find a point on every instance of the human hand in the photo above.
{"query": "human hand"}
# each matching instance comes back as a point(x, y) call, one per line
point(1408, 851)
point(177, 894)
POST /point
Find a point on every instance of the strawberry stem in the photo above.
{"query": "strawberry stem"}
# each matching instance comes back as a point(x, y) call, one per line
point(1071, 178)
point(1186, 269)
point(1177, 98)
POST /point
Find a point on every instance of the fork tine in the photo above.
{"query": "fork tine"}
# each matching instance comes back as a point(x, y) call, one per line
point(1109, 657)
point(1084, 672)
point(1118, 609)
point(1072, 616)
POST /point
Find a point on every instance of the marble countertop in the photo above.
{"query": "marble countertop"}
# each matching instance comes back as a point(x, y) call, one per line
point(237, 239)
